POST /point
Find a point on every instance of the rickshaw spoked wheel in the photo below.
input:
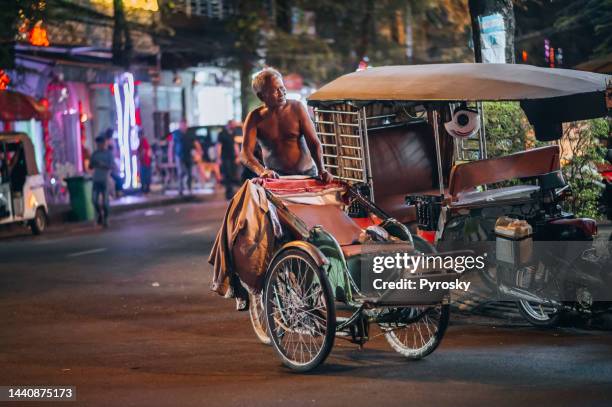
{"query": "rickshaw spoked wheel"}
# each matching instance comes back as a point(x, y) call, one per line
point(424, 327)
point(300, 310)
point(422, 334)
point(39, 223)
point(257, 313)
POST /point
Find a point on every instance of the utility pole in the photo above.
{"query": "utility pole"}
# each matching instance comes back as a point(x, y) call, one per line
point(480, 8)
point(122, 42)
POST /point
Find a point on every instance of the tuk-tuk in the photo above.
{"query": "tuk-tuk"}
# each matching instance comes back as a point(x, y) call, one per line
point(411, 139)
point(22, 197)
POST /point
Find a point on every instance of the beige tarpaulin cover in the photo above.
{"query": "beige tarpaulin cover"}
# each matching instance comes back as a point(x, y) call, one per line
point(448, 82)
point(245, 242)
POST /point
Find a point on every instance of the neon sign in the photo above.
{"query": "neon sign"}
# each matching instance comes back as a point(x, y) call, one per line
point(127, 130)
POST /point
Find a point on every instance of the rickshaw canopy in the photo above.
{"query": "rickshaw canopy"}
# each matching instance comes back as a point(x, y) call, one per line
point(28, 149)
point(566, 94)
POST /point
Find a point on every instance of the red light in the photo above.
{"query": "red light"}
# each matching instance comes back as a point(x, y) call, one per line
point(552, 57)
point(4, 80)
point(38, 35)
point(525, 56)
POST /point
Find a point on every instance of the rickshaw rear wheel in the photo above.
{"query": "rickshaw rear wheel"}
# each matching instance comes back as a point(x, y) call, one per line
point(417, 339)
point(300, 310)
point(257, 312)
point(39, 223)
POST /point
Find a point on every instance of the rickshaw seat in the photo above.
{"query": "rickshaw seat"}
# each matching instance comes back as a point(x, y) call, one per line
point(529, 163)
point(331, 217)
point(494, 195)
point(403, 163)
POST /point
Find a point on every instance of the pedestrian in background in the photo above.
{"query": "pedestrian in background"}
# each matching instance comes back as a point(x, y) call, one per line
point(117, 179)
point(182, 155)
point(210, 159)
point(144, 157)
point(229, 157)
point(102, 163)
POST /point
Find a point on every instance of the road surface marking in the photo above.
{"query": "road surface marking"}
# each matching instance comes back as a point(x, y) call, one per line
point(196, 231)
point(153, 212)
point(83, 253)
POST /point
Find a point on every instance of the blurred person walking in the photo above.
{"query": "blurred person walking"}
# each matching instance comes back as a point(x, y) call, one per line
point(102, 163)
point(182, 155)
point(144, 157)
point(229, 157)
point(210, 156)
point(117, 179)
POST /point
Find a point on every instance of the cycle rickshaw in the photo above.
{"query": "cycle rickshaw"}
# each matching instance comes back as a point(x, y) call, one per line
point(317, 268)
point(410, 139)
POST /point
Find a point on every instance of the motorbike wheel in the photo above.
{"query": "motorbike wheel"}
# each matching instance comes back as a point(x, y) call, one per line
point(536, 314)
point(39, 223)
point(257, 313)
point(417, 339)
point(423, 245)
point(300, 310)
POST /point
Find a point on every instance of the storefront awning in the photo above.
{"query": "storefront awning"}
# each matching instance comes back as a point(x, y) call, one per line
point(17, 106)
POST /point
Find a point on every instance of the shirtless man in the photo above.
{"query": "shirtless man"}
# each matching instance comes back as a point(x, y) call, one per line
point(284, 131)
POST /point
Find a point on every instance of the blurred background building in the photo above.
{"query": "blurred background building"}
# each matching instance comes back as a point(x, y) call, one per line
point(144, 64)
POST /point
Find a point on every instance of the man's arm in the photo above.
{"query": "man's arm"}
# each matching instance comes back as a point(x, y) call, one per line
point(247, 155)
point(312, 141)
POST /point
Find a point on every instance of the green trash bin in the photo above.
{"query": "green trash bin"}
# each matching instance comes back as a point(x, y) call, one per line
point(80, 198)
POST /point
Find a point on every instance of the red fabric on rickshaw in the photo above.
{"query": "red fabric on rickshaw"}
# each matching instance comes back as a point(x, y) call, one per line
point(284, 186)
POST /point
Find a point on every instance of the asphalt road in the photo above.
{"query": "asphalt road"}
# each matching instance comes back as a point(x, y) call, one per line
point(126, 316)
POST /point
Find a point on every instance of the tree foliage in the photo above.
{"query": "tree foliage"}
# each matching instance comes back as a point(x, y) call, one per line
point(508, 131)
point(583, 149)
point(506, 127)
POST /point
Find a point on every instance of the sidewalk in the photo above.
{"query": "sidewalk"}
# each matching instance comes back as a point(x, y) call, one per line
point(59, 213)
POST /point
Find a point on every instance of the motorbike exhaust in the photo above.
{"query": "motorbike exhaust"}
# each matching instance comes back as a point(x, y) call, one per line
point(521, 294)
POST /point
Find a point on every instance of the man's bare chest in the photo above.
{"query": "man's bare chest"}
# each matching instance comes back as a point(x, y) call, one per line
point(278, 128)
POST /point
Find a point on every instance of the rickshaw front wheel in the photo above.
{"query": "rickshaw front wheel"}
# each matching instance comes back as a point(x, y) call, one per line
point(39, 223)
point(421, 333)
point(300, 310)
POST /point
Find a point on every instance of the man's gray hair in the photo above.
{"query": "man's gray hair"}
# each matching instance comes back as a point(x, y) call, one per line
point(262, 77)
